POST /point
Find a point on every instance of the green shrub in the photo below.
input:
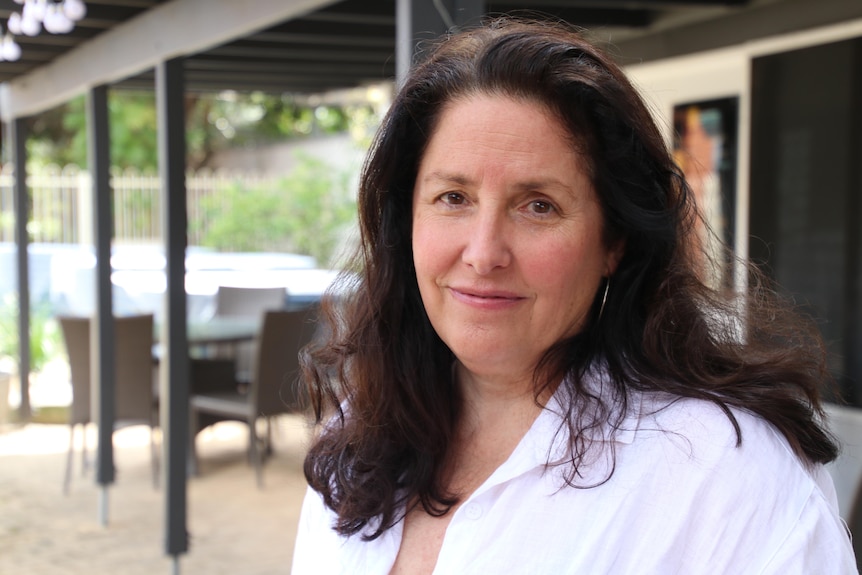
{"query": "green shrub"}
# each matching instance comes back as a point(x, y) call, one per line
point(308, 212)
point(46, 342)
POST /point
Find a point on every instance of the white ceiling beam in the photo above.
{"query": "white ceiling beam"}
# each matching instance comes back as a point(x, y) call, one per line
point(169, 30)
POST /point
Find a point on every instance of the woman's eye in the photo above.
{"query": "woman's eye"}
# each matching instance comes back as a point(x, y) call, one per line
point(452, 198)
point(541, 207)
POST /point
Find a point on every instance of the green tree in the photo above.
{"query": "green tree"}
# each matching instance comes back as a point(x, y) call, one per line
point(60, 135)
point(213, 122)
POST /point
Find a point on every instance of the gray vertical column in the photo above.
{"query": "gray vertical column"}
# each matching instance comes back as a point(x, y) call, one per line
point(418, 20)
point(18, 140)
point(102, 367)
point(174, 395)
point(851, 381)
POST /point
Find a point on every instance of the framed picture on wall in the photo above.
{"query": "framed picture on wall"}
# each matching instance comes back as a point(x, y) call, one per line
point(705, 148)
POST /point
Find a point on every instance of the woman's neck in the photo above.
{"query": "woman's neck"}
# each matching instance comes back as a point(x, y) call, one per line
point(491, 397)
point(496, 414)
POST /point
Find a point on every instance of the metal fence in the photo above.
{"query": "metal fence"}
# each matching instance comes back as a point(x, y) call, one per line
point(61, 203)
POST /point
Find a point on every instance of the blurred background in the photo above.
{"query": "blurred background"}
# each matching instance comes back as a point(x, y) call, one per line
point(241, 127)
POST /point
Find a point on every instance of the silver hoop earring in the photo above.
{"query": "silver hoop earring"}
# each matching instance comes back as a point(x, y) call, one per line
point(604, 298)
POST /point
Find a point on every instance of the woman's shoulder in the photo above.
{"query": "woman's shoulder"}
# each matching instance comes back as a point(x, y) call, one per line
point(698, 438)
point(688, 497)
point(687, 453)
point(706, 429)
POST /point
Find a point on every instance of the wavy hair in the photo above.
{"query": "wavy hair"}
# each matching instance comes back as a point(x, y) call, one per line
point(383, 382)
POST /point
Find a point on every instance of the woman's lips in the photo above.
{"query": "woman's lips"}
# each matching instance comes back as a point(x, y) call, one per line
point(486, 299)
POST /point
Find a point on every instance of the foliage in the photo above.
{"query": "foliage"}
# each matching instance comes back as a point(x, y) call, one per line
point(60, 135)
point(45, 339)
point(213, 122)
point(236, 120)
point(308, 212)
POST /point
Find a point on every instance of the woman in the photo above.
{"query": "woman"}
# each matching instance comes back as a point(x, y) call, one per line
point(529, 376)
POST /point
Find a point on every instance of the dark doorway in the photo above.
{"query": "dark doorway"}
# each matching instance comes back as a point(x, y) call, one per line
point(806, 182)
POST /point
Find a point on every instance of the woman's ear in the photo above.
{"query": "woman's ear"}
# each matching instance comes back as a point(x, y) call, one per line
point(615, 254)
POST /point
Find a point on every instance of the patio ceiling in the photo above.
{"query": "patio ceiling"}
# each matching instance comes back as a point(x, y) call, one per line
point(352, 42)
point(315, 46)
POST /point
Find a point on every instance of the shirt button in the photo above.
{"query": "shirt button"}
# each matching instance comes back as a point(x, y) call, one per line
point(473, 511)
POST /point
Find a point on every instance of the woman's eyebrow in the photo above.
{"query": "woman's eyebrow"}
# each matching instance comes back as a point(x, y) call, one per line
point(447, 177)
point(542, 184)
point(527, 185)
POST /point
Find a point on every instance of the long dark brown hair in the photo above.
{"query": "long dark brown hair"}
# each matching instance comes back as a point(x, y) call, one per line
point(382, 384)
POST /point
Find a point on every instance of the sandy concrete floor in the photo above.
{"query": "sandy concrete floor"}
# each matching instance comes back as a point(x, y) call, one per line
point(235, 528)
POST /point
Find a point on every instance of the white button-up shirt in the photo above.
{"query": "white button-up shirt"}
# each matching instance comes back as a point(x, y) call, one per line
point(682, 499)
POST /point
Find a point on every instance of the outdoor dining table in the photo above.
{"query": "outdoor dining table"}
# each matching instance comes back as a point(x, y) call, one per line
point(223, 330)
point(216, 330)
point(204, 334)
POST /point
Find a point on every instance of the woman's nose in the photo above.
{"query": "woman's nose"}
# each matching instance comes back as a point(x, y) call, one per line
point(487, 246)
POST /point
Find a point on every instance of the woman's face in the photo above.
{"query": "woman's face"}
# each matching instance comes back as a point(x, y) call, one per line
point(507, 234)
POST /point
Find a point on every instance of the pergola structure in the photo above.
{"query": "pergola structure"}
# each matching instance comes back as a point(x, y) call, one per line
point(279, 46)
point(295, 46)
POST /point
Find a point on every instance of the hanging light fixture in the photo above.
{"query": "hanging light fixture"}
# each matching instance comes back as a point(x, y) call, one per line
point(56, 17)
point(9, 49)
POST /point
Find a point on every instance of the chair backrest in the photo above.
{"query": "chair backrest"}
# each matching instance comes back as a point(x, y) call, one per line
point(274, 385)
point(134, 367)
point(133, 341)
point(76, 334)
point(240, 301)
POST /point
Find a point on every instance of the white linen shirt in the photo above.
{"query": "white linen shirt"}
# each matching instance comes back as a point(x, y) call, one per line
point(682, 499)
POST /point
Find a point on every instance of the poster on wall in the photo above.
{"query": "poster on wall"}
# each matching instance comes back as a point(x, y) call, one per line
point(705, 148)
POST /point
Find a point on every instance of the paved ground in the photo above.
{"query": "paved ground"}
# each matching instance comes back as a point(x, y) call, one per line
point(236, 528)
